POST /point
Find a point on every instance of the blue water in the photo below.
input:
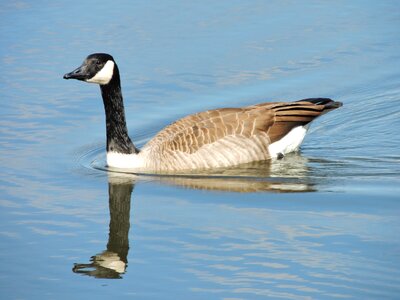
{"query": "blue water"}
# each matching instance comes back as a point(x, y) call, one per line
point(320, 224)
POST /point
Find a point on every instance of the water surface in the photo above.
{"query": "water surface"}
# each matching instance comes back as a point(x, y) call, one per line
point(319, 224)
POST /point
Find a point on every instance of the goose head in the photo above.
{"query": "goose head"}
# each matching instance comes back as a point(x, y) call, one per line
point(97, 68)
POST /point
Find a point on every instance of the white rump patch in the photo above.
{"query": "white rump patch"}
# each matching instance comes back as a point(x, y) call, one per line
point(289, 143)
point(125, 161)
point(104, 75)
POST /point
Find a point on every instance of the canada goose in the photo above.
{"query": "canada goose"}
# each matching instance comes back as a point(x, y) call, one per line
point(210, 139)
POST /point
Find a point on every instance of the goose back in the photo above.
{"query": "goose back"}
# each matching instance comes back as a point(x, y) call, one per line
point(229, 136)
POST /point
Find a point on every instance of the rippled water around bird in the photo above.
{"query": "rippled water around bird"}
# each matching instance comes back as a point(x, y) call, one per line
point(319, 224)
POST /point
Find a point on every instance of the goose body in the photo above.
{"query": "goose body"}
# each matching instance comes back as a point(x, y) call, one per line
point(210, 139)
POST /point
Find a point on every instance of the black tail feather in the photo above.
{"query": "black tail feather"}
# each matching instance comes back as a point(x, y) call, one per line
point(329, 103)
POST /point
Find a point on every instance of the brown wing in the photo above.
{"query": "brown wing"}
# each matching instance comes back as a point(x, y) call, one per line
point(274, 119)
point(194, 131)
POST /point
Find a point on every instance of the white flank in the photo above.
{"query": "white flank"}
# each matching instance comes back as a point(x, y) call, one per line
point(104, 75)
point(125, 161)
point(289, 143)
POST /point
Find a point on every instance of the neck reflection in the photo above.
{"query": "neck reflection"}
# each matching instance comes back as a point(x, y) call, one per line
point(112, 262)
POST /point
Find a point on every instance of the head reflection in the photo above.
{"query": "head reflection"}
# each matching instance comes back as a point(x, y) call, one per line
point(112, 262)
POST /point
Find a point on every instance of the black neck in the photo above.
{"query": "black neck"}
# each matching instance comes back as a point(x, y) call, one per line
point(117, 133)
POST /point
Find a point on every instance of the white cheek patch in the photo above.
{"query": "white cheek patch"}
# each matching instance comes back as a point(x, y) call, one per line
point(104, 75)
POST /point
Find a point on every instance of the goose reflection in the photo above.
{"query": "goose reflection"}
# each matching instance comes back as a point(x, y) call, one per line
point(112, 262)
point(291, 174)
